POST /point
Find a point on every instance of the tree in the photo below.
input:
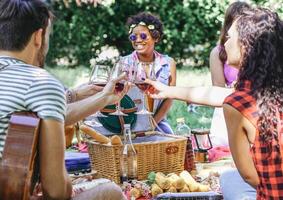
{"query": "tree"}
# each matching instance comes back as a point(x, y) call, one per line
point(191, 28)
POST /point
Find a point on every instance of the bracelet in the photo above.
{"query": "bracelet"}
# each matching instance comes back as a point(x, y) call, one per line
point(70, 96)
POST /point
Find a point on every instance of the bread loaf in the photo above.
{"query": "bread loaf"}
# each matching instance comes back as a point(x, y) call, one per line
point(190, 181)
point(94, 134)
point(116, 140)
point(155, 190)
point(162, 181)
point(176, 181)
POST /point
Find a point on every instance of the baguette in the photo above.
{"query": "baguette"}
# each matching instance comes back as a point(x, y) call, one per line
point(203, 188)
point(172, 189)
point(95, 135)
point(155, 190)
point(162, 181)
point(185, 189)
point(116, 140)
point(190, 181)
point(176, 181)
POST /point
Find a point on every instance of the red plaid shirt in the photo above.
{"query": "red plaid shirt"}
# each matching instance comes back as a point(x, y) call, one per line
point(266, 156)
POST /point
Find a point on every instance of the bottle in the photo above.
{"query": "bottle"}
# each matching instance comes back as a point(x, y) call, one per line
point(128, 159)
point(184, 130)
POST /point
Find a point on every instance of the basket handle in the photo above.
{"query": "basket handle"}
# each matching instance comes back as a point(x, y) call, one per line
point(127, 110)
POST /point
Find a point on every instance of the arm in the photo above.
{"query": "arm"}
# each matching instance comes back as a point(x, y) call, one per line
point(240, 145)
point(81, 92)
point(216, 68)
point(54, 179)
point(167, 103)
point(211, 96)
point(79, 110)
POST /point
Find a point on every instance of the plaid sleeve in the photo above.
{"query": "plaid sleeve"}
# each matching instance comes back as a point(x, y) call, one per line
point(245, 104)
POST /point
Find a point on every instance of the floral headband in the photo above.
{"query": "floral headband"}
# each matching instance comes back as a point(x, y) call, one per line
point(150, 26)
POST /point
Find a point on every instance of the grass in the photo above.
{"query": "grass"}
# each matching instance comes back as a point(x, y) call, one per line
point(191, 77)
point(185, 77)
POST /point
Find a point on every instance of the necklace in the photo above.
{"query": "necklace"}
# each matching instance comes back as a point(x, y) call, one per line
point(149, 68)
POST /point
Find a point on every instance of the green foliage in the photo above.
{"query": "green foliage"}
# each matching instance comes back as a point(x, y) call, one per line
point(191, 28)
point(195, 120)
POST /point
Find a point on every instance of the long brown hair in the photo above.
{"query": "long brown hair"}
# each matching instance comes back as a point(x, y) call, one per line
point(233, 11)
point(261, 37)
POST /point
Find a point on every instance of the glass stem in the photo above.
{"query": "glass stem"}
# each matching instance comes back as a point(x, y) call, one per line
point(118, 107)
point(144, 99)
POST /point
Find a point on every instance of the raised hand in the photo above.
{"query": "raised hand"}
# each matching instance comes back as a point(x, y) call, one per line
point(115, 96)
point(161, 90)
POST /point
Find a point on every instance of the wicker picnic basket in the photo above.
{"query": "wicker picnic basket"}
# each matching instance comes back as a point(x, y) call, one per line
point(159, 156)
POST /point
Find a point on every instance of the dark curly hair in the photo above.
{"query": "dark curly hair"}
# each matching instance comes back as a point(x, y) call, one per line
point(148, 19)
point(261, 37)
point(233, 12)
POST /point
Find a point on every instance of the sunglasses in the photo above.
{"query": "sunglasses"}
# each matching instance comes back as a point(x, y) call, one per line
point(134, 37)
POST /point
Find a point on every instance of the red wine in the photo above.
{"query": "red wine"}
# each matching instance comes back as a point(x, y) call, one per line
point(119, 87)
point(100, 84)
point(145, 87)
point(142, 86)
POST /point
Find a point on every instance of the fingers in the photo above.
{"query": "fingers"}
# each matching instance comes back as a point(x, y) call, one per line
point(149, 81)
point(97, 88)
point(127, 86)
point(156, 96)
point(121, 77)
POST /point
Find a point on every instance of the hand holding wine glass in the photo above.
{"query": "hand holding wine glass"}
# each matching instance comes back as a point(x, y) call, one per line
point(144, 71)
point(112, 91)
point(99, 77)
point(161, 91)
point(119, 69)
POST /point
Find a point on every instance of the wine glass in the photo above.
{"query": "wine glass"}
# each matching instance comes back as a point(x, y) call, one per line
point(144, 71)
point(119, 68)
point(99, 76)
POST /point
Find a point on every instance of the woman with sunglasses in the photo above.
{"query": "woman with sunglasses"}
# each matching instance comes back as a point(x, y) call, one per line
point(145, 31)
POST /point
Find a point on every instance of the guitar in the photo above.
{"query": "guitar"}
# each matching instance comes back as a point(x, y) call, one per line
point(19, 169)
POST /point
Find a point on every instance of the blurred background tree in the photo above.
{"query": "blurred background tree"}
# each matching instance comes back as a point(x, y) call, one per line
point(191, 28)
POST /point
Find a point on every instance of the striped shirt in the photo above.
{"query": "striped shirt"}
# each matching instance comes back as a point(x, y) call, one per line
point(25, 87)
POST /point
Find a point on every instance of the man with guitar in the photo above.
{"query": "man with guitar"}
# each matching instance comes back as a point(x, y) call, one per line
point(25, 27)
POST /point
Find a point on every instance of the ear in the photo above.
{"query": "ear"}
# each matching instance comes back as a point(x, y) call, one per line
point(38, 35)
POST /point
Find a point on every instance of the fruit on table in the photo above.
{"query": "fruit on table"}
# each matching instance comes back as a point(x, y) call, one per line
point(135, 193)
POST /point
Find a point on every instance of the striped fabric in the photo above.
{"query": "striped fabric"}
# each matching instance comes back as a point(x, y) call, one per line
point(267, 156)
point(27, 88)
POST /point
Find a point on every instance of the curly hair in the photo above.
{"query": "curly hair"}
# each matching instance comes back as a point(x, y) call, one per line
point(261, 37)
point(148, 19)
point(233, 12)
